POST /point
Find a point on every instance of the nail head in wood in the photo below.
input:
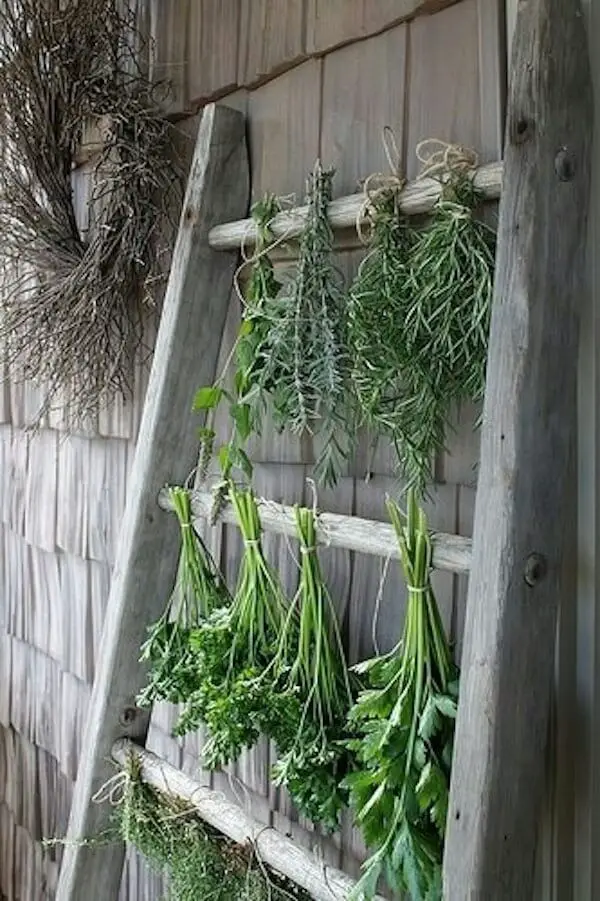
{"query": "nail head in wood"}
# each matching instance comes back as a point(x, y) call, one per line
point(564, 165)
point(128, 716)
point(535, 569)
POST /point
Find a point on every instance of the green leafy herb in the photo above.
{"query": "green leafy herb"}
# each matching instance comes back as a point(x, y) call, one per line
point(247, 399)
point(199, 862)
point(315, 678)
point(233, 648)
point(305, 363)
point(199, 590)
point(404, 726)
point(426, 351)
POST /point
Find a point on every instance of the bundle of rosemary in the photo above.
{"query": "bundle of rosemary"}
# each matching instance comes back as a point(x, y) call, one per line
point(426, 352)
point(199, 590)
point(234, 649)
point(310, 670)
point(404, 727)
point(306, 366)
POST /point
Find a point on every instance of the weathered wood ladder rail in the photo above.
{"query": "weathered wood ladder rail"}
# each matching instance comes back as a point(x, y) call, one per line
point(527, 442)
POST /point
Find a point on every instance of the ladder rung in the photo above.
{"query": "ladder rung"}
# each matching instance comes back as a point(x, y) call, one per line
point(367, 536)
point(418, 197)
point(321, 881)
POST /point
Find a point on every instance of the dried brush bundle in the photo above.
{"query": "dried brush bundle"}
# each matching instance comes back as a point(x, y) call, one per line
point(74, 301)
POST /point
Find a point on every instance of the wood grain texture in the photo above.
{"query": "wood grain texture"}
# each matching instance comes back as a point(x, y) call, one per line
point(450, 552)
point(186, 351)
point(283, 123)
point(271, 37)
point(524, 497)
point(213, 32)
point(322, 882)
point(363, 91)
point(417, 198)
point(334, 22)
point(444, 89)
point(169, 27)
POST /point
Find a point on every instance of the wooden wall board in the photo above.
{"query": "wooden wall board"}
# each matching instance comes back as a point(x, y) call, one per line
point(213, 34)
point(284, 118)
point(169, 28)
point(364, 90)
point(334, 22)
point(443, 82)
point(272, 37)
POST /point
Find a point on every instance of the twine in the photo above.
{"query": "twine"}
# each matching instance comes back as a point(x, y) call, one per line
point(440, 158)
point(113, 790)
point(379, 184)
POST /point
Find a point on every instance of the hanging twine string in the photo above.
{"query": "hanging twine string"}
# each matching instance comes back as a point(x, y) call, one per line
point(379, 184)
point(441, 159)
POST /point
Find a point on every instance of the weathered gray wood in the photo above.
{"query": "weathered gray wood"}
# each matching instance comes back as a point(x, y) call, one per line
point(322, 882)
point(185, 356)
point(525, 497)
point(418, 197)
point(368, 536)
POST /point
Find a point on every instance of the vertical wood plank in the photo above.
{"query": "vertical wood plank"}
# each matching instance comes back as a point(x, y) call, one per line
point(363, 91)
point(169, 27)
point(271, 37)
point(186, 351)
point(524, 499)
point(444, 90)
point(213, 35)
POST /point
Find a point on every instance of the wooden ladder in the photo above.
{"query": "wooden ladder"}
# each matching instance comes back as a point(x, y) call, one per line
point(524, 497)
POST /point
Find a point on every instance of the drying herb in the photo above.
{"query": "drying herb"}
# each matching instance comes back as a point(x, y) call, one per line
point(404, 726)
point(375, 313)
point(234, 647)
point(199, 861)
point(199, 590)
point(426, 353)
point(304, 358)
point(246, 400)
point(315, 679)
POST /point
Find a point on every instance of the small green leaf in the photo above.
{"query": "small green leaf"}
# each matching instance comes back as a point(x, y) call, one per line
point(429, 721)
point(246, 328)
point(225, 461)
point(240, 414)
point(365, 888)
point(207, 398)
point(446, 705)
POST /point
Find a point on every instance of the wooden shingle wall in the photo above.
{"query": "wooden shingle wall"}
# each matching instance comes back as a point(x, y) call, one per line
point(316, 78)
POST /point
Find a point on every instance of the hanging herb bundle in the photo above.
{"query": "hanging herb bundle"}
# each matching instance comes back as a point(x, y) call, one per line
point(234, 647)
point(428, 352)
point(310, 740)
point(404, 723)
point(305, 363)
point(199, 862)
point(375, 311)
point(199, 590)
point(246, 400)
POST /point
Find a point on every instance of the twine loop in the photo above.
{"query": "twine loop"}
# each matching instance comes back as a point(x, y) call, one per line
point(441, 159)
point(380, 184)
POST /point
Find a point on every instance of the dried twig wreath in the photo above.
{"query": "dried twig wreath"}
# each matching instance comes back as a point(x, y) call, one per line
point(72, 311)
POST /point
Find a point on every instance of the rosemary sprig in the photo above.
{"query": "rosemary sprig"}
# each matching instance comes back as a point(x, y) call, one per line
point(305, 360)
point(419, 319)
point(404, 727)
